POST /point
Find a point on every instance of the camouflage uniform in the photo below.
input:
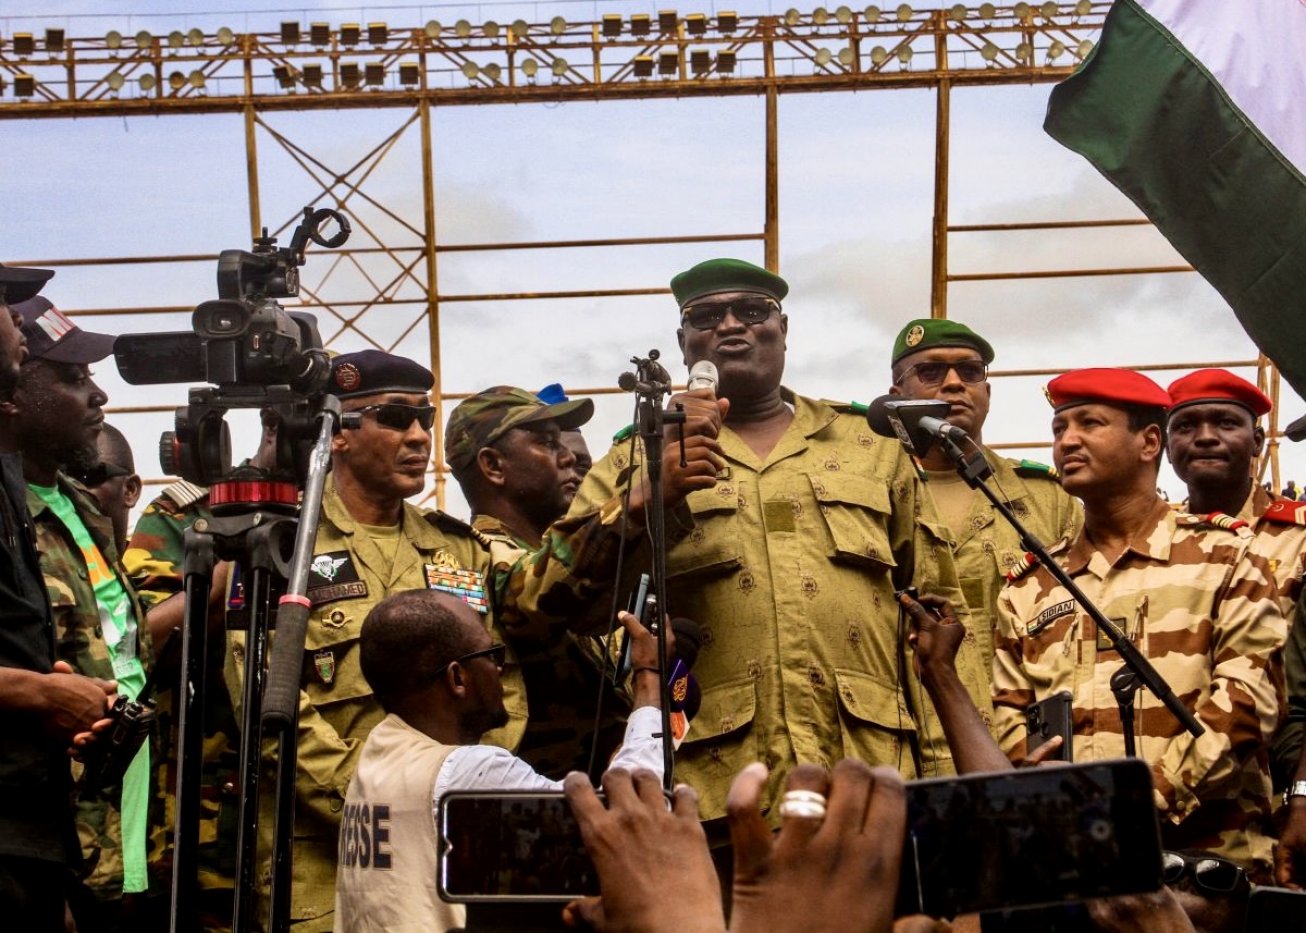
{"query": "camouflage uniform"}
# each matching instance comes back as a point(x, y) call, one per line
point(79, 640)
point(154, 561)
point(1203, 607)
point(988, 548)
point(790, 567)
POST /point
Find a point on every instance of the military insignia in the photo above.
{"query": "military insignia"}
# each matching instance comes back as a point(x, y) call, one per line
point(444, 560)
point(915, 336)
point(1048, 395)
point(324, 665)
point(1286, 512)
point(1223, 520)
point(1021, 566)
point(347, 377)
point(467, 585)
point(1034, 468)
point(333, 577)
point(325, 566)
point(1104, 642)
point(1050, 615)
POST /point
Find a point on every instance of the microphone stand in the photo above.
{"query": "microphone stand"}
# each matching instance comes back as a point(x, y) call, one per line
point(1137, 671)
point(650, 382)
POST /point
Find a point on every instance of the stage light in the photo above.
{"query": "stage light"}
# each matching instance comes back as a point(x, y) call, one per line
point(113, 39)
point(409, 74)
point(519, 28)
point(990, 52)
point(1083, 7)
point(319, 33)
point(195, 37)
point(115, 80)
point(557, 25)
point(700, 61)
point(530, 68)
point(176, 40)
point(1049, 10)
point(378, 33)
point(668, 63)
point(824, 57)
point(958, 12)
point(176, 80)
point(1020, 11)
point(24, 85)
point(1024, 52)
point(873, 14)
point(905, 54)
point(24, 44)
point(1085, 46)
point(611, 24)
point(878, 55)
point(725, 61)
point(285, 77)
point(226, 36)
point(54, 40)
point(668, 20)
point(148, 82)
point(1056, 50)
point(696, 24)
point(462, 29)
point(727, 21)
point(843, 15)
point(846, 57)
point(641, 24)
point(312, 75)
point(793, 17)
point(197, 79)
point(490, 29)
point(987, 11)
point(289, 33)
point(820, 16)
point(350, 33)
point(349, 75)
point(470, 70)
point(904, 12)
point(493, 71)
point(643, 66)
point(560, 67)
point(374, 74)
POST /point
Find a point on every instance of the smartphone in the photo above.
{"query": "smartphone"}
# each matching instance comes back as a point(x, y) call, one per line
point(1275, 909)
point(1029, 837)
point(636, 607)
point(511, 846)
point(1050, 717)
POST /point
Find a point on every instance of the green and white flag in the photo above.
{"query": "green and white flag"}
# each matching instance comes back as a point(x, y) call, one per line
point(1196, 109)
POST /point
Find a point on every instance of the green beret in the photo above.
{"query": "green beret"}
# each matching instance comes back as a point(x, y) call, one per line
point(929, 333)
point(726, 275)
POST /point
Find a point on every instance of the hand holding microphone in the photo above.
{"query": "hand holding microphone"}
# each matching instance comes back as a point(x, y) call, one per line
point(704, 412)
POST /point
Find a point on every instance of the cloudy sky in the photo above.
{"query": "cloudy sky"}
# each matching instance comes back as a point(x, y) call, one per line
point(856, 192)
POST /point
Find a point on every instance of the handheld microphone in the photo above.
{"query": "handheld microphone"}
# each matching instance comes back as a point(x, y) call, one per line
point(917, 423)
point(682, 687)
point(703, 375)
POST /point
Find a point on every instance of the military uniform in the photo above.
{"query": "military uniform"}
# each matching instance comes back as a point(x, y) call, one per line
point(790, 565)
point(1203, 607)
point(154, 562)
point(80, 640)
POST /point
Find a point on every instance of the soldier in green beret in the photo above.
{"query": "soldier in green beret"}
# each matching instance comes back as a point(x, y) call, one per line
point(946, 360)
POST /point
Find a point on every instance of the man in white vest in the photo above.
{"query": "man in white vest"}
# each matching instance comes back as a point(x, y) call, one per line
point(434, 669)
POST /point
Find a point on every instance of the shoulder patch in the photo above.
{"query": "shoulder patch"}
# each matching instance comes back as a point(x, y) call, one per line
point(1023, 565)
point(184, 493)
point(332, 576)
point(446, 522)
point(624, 434)
point(1286, 512)
point(1223, 520)
point(1034, 468)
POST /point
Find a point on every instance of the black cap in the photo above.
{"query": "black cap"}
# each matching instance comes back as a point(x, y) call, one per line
point(19, 284)
point(51, 335)
point(371, 372)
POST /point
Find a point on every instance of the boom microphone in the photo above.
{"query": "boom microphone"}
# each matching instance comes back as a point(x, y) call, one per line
point(917, 423)
point(703, 375)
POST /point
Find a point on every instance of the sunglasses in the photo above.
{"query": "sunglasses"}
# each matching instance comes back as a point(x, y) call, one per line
point(102, 472)
point(397, 416)
point(708, 315)
point(497, 653)
point(1213, 874)
point(933, 374)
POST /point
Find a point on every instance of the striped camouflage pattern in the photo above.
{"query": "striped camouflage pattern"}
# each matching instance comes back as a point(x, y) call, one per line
point(79, 640)
point(1204, 609)
point(790, 567)
point(154, 561)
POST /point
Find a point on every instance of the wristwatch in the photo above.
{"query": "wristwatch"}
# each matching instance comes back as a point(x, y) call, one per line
point(1295, 789)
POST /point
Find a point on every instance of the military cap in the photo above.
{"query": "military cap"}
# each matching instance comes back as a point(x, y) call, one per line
point(929, 333)
point(551, 394)
point(1217, 385)
point(371, 372)
point(726, 275)
point(19, 284)
point(483, 418)
point(1112, 386)
point(52, 336)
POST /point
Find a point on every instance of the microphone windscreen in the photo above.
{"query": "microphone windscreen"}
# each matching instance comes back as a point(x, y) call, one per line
point(689, 638)
point(877, 416)
point(703, 375)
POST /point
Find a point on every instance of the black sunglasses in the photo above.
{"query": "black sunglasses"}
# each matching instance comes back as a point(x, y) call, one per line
point(1213, 874)
point(397, 416)
point(102, 472)
point(933, 374)
point(708, 315)
point(497, 653)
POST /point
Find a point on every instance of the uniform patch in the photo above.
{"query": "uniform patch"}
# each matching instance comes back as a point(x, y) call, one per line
point(1049, 615)
point(324, 665)
point(333, 577)
point(915, 335)
point(347, 377)
point(467, 585)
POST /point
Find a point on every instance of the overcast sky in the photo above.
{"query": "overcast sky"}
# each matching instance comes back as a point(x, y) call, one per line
point(856, 195)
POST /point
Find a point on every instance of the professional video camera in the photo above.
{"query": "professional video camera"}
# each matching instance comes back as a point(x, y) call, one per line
point(254, 353)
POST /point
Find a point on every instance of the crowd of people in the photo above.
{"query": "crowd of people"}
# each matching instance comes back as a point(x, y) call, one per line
point(866, 618)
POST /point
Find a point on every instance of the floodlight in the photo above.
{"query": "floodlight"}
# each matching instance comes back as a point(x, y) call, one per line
point(700, 61)
point(873, 14)
point(115, 80)
point(148, 82)
point(643, 66)
point(374, 74)
point(989, 52)
point(350, 33)
point(1020, 11)
point(54, 40)
point(25, 85)
point(668, 20)
point(793, 17)
point(490, 29)
point(1049, 10)
point(1085, 46)
point(1083, 7)
point(24, 44)
point(409, 74)
point(470, 70)
point(285, 77)
point(462, 29)
point(226, 36)
point(987, 11)
point(878, 55)
point(843, 15)
point(113, 39)
point(641, 24)
point(195, 37)
point(530, 68)
point(560, 67)
point(904, 54)
point(1056, 50)
point(824, 57)
point(904, 12)
point(727, 21)
point(432, 29)
point(846, 57)
point(557, 25)
point(493, 71)
point(319, 33)
point(611, 24)
point(176, 80)
point(175, 39)
point(1024, 52)
point(197, 79)
point(668, 63)
point(378, 33)
point(312, 75)
point(958, 12)
point(820, 16)
point(519, 28)
point(725, 61)
point(289, 33)
point(349, 75)
point(696, 24)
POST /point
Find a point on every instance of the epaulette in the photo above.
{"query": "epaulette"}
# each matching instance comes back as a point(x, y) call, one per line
point(847, 408)
point(624, 434)
point(1034, 468)
point(185, 494)
point(446, 522)
point(1025, 563)
point(1286, 512)
point(1217, 520)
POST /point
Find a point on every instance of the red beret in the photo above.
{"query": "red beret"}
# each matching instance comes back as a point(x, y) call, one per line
point(1111, 386)
point(1218, 385)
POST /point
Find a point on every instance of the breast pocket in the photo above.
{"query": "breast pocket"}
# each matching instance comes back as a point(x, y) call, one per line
point(711, 547)
point(856, 514)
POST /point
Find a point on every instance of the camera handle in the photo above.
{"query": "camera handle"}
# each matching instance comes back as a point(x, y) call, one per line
point(974, 469)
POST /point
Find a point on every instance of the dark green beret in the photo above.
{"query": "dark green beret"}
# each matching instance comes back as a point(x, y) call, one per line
point(726, 275)
point(929, 333)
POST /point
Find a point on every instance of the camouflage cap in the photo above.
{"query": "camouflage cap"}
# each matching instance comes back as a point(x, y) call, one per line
point(483, 418)
point(726, 275)
point(930, 333)
point(372, 372)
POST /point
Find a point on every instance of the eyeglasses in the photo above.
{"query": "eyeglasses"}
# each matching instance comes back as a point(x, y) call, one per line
point(708, 315)
point(1213, 874)
point(398, 417)
point(933, 374)
point(497, 653)
point(102, 472)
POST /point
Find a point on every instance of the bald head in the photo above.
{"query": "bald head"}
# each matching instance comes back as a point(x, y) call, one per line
point(409, 636)
point(112, 447)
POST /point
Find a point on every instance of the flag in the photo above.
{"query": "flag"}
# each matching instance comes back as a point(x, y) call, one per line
point(1196, 110)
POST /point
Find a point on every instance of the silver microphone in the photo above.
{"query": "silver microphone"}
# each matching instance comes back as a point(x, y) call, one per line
point(703, 375)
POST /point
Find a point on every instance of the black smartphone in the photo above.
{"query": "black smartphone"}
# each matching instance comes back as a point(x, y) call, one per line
point(1029, 837)
point(511, 846)
point(1049, 717)
point(1275, 909)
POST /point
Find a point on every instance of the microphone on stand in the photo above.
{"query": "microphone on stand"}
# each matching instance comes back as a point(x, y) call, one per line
point(703, 375)
point(917, 423)
point(682, 687)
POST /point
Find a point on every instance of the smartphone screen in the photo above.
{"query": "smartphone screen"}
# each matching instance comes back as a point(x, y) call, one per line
point(1034, 836)
point(511, 846)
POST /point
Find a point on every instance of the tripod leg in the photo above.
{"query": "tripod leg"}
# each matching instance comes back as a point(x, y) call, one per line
point(257, 597)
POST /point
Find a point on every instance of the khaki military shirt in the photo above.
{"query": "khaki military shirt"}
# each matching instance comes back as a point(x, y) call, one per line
point(789, 565)
point(1204, 609)
point(79, 640)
